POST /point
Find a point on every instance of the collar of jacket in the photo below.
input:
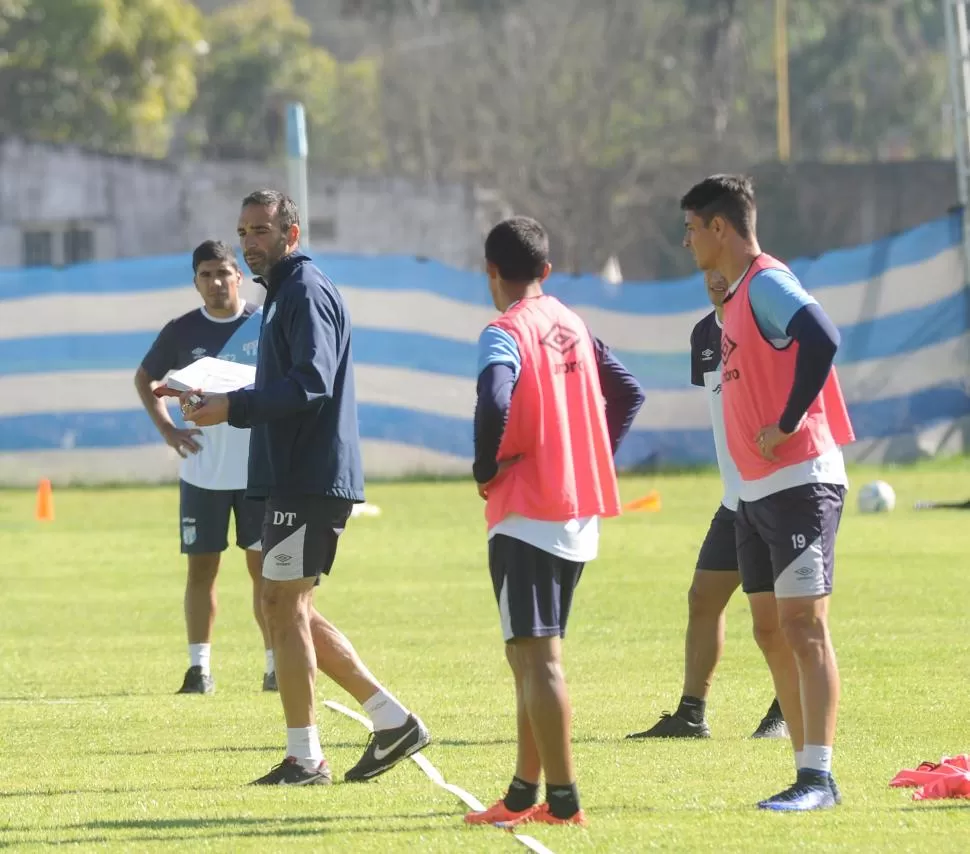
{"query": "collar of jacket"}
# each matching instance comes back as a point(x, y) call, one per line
point(281, 269)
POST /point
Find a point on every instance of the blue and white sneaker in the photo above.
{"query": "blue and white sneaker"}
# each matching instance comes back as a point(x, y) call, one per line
point(812, 790)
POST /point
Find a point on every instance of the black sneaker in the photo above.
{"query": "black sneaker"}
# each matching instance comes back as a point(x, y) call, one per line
point(196, 682)
point(673, 726)
point(269, 682)
point(387, 747)
point(291, 773)
point(771, 726)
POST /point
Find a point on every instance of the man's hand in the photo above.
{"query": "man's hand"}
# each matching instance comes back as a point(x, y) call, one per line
point(502, 466)
point(182, 441)
point(768, 439)
point(204, 410)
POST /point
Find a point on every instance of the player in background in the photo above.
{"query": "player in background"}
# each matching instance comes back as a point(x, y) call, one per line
point(786, 422)
point(716, 574)
point(212, 472)
point(553, 406)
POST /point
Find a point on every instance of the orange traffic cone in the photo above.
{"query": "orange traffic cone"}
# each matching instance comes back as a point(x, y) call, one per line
point(45, 502)
point(649, 503)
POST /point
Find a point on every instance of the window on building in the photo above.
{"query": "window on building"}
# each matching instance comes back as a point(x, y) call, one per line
point(38, 249)
point(78, 245)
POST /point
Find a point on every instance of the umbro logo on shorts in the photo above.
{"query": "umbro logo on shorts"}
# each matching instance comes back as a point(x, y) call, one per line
point(282, 560)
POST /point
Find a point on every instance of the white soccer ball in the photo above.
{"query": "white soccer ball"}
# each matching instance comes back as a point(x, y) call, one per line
point(877, 497)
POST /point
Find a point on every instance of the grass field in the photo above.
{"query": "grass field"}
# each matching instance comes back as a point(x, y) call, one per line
point(97, 751)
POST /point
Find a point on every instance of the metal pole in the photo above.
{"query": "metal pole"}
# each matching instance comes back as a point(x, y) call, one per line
point(958, 60)
point(958, 80)
point(781, 81)
point(296, 167)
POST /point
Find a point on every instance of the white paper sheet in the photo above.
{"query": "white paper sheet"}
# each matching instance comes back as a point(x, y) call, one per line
point(212, 375)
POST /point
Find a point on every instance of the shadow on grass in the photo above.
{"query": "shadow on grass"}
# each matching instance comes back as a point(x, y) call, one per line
point(178, 751)
point(107, 790)
point(510, 742)
point(936, 806)
point(77, 699)
point(242, 828)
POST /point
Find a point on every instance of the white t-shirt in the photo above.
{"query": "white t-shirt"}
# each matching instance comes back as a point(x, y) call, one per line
point(705, 370)
point(223, 462)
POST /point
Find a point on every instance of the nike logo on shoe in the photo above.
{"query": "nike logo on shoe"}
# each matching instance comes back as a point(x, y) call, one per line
point(380, 754)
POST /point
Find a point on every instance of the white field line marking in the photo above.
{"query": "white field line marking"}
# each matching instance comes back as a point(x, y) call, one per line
point(434, 775)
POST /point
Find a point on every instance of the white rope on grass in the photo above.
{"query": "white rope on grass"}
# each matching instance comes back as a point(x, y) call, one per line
point(435, 776)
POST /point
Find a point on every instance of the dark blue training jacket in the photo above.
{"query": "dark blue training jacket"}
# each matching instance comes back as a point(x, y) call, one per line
point(303, 409)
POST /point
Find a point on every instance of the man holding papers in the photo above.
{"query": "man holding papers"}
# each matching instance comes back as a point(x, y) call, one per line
point(305, 461)
point(213, 470)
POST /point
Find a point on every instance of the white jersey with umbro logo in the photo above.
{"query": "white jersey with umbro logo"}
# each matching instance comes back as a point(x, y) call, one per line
point(223, 462)
point(705, 371)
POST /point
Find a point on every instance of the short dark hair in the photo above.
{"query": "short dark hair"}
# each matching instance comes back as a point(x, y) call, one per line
point(286, 209)
point(213, 250)
point(519, 247)
point(730, 196)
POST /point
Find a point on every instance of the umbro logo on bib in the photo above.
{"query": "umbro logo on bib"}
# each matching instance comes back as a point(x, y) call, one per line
point(560, 338)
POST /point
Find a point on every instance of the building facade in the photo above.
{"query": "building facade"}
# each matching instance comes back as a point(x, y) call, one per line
point(61, 205)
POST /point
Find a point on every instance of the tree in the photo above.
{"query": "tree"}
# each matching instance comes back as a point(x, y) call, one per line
point(865, 72)
point(570, 109)
point(260, 56)
point(98, 73)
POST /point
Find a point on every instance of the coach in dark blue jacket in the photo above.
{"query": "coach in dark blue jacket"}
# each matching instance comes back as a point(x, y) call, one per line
point(303, 410)
point(304, 459)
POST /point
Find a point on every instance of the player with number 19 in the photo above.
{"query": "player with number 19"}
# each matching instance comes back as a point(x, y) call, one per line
point(786, 422)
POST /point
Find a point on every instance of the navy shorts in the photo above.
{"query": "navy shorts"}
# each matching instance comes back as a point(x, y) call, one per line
point(300, 535)
point(719, 550)
point(534, 589)
point(786, 541)
point(205, 515)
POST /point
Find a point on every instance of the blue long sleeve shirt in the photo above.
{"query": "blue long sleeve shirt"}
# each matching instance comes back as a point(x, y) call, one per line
point(499, 366)
point(785, 311)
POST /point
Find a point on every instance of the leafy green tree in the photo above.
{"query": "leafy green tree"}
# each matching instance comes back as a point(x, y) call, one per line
point(260, 57)
point(99, 73)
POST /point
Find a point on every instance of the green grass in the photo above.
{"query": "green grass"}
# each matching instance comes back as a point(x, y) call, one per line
point(97, 752)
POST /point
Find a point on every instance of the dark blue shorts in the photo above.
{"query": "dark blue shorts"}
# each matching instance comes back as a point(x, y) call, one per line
point(786, 541)
point(204, 515)
point(534, 589)
point(719, 550)
point(300, 535)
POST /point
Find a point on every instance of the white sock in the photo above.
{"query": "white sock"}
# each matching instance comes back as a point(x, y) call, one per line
point(385, 711)
point(199, 655)
point(798, 759)
point(270, 662)
point(303, 744)
point(817, 757)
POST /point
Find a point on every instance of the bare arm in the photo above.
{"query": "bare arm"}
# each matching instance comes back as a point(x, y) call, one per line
point(180, 440)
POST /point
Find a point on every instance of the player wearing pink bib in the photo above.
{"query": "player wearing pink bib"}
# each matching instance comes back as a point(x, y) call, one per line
point(785, 422)
point(553, 405)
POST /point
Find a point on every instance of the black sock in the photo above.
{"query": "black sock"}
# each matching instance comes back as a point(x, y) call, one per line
point(775, 710)
point(691, 709)
point(521, 795)
point(563, 800)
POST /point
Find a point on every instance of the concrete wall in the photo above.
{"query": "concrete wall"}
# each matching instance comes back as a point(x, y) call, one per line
point(140, 207)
